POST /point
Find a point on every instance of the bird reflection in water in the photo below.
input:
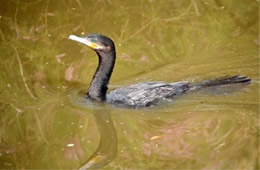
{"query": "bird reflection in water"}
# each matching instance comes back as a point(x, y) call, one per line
point(107, 148)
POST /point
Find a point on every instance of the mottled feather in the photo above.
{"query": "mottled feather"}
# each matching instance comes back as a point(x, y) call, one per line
point(146, 94)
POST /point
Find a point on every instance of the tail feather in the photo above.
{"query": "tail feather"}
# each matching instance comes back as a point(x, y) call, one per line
point(238, 79)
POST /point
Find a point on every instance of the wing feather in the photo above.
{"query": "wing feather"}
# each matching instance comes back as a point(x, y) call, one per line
point(144, 94)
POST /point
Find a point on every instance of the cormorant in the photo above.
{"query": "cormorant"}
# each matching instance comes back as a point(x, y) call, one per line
point(140, 94)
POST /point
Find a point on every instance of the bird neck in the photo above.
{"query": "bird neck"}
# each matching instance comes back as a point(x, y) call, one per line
point(98, 87)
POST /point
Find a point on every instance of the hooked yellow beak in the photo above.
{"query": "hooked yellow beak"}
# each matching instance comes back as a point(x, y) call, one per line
point(85, 41)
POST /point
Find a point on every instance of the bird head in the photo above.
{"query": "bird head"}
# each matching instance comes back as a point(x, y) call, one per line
point(96, 42)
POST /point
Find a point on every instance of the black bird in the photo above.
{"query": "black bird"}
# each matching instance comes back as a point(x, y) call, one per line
point(140, 94)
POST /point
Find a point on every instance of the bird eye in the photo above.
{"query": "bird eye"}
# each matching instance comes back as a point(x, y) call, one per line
point(94, 40)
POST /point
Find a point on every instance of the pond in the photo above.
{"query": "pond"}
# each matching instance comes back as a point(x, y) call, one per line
point(47, 123)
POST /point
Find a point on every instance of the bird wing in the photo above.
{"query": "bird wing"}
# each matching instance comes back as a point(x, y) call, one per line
point(145, 94)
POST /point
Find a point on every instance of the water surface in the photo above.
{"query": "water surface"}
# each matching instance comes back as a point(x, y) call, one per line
point(46, 122)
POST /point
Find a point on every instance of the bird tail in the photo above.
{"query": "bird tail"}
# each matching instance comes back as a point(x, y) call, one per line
point(234, 80)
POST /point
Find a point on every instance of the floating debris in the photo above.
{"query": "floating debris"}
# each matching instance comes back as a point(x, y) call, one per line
point(59, 57)
point(70, 145)
point(155, 137)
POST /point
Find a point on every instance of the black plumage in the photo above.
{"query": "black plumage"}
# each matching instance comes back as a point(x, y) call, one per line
point(140, 94)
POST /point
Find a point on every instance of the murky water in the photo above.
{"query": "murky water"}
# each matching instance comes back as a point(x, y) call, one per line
point(46, 123)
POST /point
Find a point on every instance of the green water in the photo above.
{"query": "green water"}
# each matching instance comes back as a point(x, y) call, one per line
point(46, 124)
